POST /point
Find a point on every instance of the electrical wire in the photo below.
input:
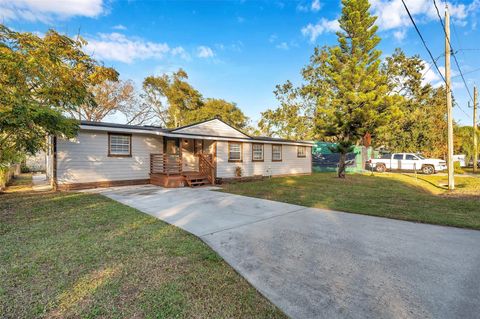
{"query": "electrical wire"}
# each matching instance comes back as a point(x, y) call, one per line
point(431, 55)
point(423, 40)
point(451, 48)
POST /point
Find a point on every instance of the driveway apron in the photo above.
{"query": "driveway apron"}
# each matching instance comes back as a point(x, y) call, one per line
point(315, 263)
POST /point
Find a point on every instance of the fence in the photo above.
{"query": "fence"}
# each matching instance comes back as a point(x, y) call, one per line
point(324, 160)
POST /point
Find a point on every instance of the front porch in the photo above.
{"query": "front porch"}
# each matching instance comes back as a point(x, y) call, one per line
point(184, 162)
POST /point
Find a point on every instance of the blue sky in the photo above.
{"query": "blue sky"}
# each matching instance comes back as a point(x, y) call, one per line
point(239, 50)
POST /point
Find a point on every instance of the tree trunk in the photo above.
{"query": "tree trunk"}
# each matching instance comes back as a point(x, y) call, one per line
point(342, 165)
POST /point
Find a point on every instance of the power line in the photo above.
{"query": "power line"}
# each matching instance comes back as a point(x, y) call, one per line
point(468, 72)
point(434, 60)
point(451, 48)
point(423, 40)
point(466, 114)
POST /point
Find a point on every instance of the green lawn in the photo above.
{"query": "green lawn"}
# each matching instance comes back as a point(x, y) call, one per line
point(79, 255)
point(400, 196)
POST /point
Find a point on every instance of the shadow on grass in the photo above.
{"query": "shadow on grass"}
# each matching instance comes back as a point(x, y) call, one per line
point(399, 196)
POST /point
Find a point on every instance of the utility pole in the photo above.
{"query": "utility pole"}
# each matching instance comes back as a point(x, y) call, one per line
point(451, 181)
point(475, 148)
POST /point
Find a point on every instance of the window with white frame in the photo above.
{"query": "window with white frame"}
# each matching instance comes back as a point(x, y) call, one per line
point(276, 152)
point(234, 152)
point(257, 152)
point(119, 145)
point(301, 151)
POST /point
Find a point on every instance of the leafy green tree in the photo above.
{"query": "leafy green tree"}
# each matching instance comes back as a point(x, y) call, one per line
point(293, 119)
point(227, 111)
point(463, 142)
point(345, 81)
point(417, 114)
point(41, 80)
point(171, 97)
point(174, 102)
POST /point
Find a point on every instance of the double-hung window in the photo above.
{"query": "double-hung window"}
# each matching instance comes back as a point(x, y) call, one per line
point(276, 153)
point(234, 152)
point(301, 151)
point(119, 145)
point(257, 152)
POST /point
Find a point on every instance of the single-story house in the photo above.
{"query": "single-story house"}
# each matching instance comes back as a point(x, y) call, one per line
point(107, 154)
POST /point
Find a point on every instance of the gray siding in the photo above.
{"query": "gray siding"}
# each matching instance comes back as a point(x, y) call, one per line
point(85, 158)
point(290, 164)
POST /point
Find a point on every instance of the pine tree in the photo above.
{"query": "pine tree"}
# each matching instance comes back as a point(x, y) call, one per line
point(346, 81)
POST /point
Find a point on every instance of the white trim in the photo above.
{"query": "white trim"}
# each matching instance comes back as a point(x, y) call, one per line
point(203, 137)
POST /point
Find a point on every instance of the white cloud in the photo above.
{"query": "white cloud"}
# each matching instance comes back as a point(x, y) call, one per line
point(204, 52)
point(48, 10)
point(283, 46)
point(399, 35)
point(117, 47)
point(313, 31)
point(316, 5)
point(179, 51)
point(392, 14)
point(119, 27)
point(272, 38)
point(430, 75)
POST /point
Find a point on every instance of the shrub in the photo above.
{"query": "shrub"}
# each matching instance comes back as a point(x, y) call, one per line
point(24, 168)
point(457, 169)
point(238, 171)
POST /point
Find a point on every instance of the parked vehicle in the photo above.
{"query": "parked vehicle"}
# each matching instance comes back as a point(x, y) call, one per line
point(461, 158)
point(407, 162)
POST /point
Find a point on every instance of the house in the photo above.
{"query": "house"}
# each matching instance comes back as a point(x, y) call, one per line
point(107, 154)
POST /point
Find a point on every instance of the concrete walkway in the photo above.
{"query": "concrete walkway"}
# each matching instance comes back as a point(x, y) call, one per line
point(314, 263)
point(40, 183)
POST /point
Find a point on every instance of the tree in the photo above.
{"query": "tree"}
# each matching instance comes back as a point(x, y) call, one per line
point(42, 79)
point(345, 81)
point(227, 111)
point(417, 114)
point(171, 97)
point(293, 119)
point(108, 97)
point(173, 102)
point(463, 142)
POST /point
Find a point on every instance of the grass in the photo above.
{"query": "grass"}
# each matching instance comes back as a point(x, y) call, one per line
point(423, 199)
point(76, 255)
point(469, 170)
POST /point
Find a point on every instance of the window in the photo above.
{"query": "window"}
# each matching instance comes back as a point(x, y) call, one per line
point(276, 153)
point(301, 151)
point(411, 157)
point(234, 152)
point(119, 145)
point(257, 152)
point(398, 156)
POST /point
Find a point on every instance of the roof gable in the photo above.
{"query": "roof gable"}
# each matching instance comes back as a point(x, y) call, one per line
point(214, 127)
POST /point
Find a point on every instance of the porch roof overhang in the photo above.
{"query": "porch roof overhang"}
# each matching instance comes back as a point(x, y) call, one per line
point(156, 131)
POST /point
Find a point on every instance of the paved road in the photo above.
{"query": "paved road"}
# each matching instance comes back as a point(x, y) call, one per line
point(314, 263)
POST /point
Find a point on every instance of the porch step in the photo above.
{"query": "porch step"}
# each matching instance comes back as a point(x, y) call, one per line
point(196, 179)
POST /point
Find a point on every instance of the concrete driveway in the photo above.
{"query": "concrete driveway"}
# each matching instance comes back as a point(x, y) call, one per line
point(314, 263)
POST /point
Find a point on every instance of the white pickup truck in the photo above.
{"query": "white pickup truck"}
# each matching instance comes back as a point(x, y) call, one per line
point(407, 162)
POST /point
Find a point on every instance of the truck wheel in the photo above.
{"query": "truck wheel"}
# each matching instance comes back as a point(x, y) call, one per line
point(428, 169)
point(380, 168)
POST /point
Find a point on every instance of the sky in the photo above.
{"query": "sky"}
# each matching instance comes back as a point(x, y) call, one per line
point(240, 50)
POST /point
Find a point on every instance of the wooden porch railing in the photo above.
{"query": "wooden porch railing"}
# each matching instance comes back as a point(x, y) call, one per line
point(206, 167)
point(165, 164)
